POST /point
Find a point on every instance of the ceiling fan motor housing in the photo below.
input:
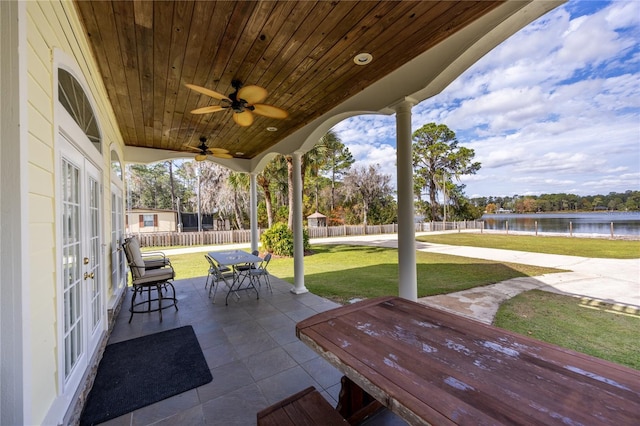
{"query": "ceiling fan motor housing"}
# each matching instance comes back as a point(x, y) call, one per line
point(239, 105)
point(249, 101)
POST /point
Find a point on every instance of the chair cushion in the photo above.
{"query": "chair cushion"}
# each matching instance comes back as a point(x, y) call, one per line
point(158, 262)
point(135, 256)
point(155, 275)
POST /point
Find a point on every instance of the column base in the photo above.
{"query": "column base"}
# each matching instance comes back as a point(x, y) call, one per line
point(296, 290)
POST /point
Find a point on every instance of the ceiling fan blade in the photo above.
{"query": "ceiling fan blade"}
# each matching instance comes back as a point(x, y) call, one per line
point(218, 150)
point(201, 157)
point(270, 111)
point(208, 92)
point(223, 155)
point(207, 109)
point(252, 94)
point(243, 118)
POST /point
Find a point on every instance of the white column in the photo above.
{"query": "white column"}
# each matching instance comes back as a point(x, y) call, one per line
point(407, 276)
point(298, 241)
point(253, 211)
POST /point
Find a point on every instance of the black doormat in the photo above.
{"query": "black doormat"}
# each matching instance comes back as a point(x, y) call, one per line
point(138, 372)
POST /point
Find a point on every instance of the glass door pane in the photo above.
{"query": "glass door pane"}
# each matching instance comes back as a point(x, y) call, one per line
point(93, 283)
point(71, 244)
point(117, 255)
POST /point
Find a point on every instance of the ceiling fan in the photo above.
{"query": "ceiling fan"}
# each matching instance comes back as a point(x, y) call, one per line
point(244, 101)
point(204, 151)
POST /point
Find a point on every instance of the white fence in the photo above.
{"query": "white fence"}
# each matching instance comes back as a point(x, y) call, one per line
point(170, 239)
point(449, 226)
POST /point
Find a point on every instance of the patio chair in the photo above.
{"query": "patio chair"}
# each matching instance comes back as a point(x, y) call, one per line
point(151, 259)
point(149, 276)
point(211, 272)
point(218, 275)
point(243, 269)
point(256, 274)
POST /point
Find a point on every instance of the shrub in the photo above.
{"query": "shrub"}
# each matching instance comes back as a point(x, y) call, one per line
point(279, 240)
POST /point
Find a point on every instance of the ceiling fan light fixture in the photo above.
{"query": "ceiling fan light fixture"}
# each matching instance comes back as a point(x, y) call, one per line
point(363, 58)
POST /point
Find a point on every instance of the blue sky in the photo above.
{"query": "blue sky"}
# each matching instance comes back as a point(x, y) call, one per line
point(555, 108)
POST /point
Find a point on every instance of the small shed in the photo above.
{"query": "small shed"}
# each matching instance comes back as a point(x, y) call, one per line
point(151, 220)
point(317, 219)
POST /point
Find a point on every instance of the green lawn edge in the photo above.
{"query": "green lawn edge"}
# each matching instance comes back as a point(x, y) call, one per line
point(592, 327)
point(583, 247)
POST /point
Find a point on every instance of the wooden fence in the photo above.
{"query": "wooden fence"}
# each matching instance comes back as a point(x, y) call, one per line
point(169, 239)
point(205, 238)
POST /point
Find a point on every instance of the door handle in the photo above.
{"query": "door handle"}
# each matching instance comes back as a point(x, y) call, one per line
point(88, 275)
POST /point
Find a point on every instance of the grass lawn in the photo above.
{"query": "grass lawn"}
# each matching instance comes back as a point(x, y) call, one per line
point(594, 328)
point(585, 247)
point(344, 272)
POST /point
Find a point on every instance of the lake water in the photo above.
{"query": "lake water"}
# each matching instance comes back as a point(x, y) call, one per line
point(624, 223)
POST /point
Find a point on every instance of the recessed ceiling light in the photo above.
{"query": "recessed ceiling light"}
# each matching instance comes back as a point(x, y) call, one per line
point(272, 129)
point(363, 58)
point(239, 154)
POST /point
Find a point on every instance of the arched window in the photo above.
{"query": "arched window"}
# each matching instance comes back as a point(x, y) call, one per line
point(116, 165)
point(75, 101)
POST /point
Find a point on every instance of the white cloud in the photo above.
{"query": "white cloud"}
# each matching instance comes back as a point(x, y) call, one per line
point(556, 108)
point(502, 158)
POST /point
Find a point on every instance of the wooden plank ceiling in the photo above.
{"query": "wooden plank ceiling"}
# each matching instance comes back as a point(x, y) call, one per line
point(301, 52)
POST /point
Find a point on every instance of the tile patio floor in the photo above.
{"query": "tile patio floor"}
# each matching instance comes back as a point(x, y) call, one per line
point(252, 351)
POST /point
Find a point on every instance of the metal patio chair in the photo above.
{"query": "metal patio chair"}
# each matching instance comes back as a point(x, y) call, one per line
point(257, 274)
point(154, 273)
point(211, 273)
point(217, 275)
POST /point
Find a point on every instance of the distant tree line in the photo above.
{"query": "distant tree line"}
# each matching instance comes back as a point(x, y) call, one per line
point(345, 194)
point(614, 201)
point(332, 185)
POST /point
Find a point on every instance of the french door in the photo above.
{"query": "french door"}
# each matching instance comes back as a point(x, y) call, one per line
point(82, 311)
point(118, 270)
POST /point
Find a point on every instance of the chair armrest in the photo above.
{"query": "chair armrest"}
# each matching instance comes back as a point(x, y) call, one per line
point(155, 259)
point(153, 254)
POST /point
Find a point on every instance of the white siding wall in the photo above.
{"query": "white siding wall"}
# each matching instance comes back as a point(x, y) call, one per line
point(54, 25)
point(41, 38)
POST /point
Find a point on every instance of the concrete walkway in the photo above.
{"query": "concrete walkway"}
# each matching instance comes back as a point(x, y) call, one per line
point(615, 281)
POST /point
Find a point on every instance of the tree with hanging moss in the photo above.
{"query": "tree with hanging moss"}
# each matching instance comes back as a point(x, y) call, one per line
point(366, 186)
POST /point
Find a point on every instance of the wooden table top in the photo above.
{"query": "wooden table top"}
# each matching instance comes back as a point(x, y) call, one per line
point(234, 257)
point(433, 367)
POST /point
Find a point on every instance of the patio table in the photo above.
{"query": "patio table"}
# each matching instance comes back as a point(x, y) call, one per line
point(232, 258)
point(434, 367)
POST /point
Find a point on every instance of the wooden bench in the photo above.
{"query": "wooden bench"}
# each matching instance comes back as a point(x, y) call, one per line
point(306, 407)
